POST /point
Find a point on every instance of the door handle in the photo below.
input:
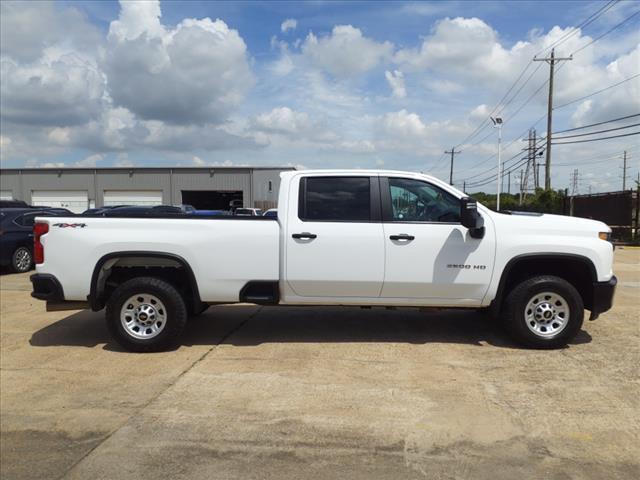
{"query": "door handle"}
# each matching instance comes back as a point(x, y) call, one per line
point(304, 235)
point(402, 236)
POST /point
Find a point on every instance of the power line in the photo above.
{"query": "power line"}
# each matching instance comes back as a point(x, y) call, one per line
point(599, 123)
point(597, 92)
point(485, 122)
point(597, 139)
point(589, 20)
point(599, 131)
point(607, 32)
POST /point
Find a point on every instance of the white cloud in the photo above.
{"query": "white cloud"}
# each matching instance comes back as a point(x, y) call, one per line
point(345, 52)
point(61, 92)
point(29, 28)
point(197, 72)
point(90, 161)
point(396, 82)
point(288, 24)
point(459, 45)
point(122, 160)
point(283, 125)
point(283, 120)
point(136, 19)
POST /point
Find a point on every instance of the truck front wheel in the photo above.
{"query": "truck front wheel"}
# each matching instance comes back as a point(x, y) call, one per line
point(543, 312)
point(146, 314)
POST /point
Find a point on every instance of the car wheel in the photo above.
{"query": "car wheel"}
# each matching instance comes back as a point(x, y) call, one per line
point(146, 314)
point(22, 260)
point(543, 312)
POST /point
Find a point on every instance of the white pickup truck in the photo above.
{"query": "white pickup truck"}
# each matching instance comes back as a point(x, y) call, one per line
point(342, 237)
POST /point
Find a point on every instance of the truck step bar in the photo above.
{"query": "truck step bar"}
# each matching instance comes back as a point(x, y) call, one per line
point(260, 292)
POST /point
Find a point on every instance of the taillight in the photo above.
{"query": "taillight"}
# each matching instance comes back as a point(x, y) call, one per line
point(39, 229)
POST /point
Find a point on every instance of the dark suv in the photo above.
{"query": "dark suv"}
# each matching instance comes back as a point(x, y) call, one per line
point(16, 235)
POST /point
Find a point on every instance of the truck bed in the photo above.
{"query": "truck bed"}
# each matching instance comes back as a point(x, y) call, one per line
point(224, 252)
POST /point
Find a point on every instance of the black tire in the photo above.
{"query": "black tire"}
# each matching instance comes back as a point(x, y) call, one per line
point(175, 320)
point(514, 315)
point(21, 260)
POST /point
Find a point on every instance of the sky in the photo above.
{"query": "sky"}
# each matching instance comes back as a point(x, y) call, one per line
point(319, 85)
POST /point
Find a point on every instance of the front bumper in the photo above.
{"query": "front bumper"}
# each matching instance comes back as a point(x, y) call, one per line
point(46, 287)
point(603, 293)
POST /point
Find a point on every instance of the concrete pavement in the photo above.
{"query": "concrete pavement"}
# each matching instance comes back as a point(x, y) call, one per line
point(319, 393)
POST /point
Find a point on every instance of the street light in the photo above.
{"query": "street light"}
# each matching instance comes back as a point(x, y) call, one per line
point(497, 122)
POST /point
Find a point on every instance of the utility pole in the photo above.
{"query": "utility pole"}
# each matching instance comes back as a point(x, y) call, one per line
point(574, 182)
point(464, 186)
point(552, 60)
point(509, 183)
point(497, 122)
point(452, 152)
point(521, 186)
point(624, 172)
point(534, 155)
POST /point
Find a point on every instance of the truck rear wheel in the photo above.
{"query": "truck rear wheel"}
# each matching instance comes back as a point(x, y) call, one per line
point(146, 314)
point(543, 312)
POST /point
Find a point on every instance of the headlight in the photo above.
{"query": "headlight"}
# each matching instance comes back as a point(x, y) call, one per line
point(605, 236)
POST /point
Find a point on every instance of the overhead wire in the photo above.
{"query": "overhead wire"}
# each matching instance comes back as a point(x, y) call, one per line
point(596, 124)
point(596, 139)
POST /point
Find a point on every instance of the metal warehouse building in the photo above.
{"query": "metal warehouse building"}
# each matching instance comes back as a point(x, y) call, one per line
point(205, 188)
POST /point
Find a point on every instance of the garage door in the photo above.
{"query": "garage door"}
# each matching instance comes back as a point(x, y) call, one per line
point(132, 197)
point(6, 195)
point(75, 200)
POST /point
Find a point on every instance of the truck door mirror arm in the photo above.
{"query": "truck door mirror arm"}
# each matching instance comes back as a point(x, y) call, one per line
point(471, 218)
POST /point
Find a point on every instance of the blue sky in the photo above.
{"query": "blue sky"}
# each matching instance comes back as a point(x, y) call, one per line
point(312, 84)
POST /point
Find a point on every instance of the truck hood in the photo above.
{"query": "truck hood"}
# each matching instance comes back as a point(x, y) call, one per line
point(550, 224)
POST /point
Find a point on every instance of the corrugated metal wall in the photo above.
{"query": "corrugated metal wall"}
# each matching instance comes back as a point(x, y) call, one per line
point(148, 179)
point(254, 183)
point(212, 179)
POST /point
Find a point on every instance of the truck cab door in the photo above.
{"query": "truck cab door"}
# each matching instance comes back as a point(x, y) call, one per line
point(429, 254)
point(334, 245)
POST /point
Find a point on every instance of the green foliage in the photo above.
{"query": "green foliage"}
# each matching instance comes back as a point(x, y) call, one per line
point(550, 201)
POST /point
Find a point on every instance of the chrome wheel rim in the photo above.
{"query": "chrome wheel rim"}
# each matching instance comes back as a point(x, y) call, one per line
point(23, 259)
point(547, 314)
point(143, 316)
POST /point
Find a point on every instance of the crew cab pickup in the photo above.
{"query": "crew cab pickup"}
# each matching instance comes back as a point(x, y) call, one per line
point(341, 237)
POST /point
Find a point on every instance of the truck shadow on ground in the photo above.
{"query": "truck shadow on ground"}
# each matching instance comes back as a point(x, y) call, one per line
point(247, 326)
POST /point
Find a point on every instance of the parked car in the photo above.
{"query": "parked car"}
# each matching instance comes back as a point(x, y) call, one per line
point(16, 235)
point(95, 211)
point(138, 211)
point(211, 213)
point(13, 204)
point(345, 237)
point(248, 212)
point(271, 213)
point(188, 209)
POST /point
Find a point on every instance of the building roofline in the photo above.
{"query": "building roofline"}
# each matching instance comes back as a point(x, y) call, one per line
point(191, 169)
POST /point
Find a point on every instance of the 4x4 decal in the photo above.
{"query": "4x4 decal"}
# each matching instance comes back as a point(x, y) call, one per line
point(70, 225)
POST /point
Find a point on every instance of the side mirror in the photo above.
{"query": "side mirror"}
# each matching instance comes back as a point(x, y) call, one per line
point(470, 218)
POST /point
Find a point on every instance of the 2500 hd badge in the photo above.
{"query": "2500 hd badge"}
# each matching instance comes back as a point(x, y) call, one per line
point(466, 267)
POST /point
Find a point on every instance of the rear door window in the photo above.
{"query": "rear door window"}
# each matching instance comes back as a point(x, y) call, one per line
point(338, 199)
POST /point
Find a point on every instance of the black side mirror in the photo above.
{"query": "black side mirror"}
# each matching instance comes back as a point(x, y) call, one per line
point(470, 218)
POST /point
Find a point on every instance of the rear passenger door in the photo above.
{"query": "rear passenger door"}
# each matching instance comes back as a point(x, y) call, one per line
point(334, 239)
